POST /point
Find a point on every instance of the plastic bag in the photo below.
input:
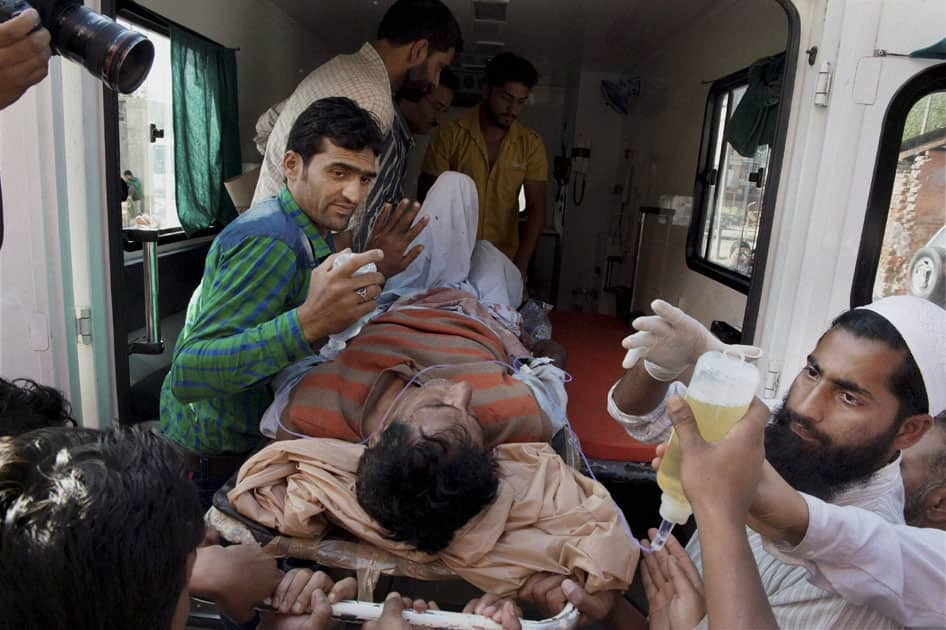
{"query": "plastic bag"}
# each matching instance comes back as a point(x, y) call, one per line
point(535, 319)
point(337, 342)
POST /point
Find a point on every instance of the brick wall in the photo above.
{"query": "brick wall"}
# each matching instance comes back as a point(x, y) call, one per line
point(917, 211)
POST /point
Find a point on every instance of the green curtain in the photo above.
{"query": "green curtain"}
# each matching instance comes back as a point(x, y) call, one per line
point(756, 117)
point(936, 51)
point(206, 129)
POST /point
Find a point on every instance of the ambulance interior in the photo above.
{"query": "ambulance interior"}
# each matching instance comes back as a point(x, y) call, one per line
point(669, 130)
point(647, 193)
point(621, 105)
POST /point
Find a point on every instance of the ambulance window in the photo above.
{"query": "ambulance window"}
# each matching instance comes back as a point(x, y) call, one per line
point(730, 190)
point(903, 246)
point(146, 142)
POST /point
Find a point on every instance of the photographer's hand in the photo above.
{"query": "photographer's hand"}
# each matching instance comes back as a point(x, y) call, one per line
point(24, 55)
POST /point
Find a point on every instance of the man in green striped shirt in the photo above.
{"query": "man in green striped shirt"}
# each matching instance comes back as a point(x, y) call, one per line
point(269, 294)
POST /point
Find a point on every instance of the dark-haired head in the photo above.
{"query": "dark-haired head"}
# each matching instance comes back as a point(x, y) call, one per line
point(417, 39)
point(330, 161)
point(423, 111)
point(859, 400)
point(338, 120)
point(449, 80)
point(423, 488)
point(924, 478)
point(506, 88)
point(101, 526)
point(26, 405)
point(507, 67)
point(906, 382)
point(409, 21)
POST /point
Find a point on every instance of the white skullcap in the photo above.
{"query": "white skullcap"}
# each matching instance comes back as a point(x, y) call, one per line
point(922, 324)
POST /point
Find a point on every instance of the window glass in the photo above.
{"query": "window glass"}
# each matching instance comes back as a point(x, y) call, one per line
point(913, 254)
point(146, 143)
point(731, 201)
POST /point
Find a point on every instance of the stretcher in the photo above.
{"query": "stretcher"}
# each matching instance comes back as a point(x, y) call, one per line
point(341, 550)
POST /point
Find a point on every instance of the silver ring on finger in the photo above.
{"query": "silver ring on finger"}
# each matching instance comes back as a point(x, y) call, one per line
point(362, 293)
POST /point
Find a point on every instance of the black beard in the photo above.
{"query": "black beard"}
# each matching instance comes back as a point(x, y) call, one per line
point(413, 91)
point(821, 470)
point(494, 119)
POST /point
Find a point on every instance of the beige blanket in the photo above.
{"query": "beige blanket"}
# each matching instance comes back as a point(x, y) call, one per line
point(546, 517)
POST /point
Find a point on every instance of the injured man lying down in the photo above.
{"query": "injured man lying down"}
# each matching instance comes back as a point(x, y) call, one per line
point(429, 434)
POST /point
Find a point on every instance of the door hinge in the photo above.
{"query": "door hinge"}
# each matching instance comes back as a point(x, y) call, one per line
point(84, 326)
point(823, 88)
point(772, 376)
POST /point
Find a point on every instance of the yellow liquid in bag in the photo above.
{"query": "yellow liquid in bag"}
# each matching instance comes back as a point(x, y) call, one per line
point(714, 422)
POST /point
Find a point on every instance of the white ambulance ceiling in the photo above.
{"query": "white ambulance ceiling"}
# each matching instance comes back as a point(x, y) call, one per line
point(596, 35)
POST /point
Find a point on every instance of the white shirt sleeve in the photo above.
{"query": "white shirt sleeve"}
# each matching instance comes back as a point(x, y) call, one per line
point(264, 126)
point(651, 428)
point(898, 570)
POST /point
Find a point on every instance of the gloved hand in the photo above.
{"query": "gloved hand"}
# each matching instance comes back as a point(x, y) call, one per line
point(670, 341)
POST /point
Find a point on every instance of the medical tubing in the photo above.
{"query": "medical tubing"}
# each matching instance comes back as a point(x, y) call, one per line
point(515, 368)
point(663, 534)
point(390, 407)
point(576, 443)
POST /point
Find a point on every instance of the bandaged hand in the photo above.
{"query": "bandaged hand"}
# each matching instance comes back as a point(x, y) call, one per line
point(670, 341)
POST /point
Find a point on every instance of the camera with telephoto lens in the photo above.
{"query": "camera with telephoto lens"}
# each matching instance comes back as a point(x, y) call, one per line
point(121, 58)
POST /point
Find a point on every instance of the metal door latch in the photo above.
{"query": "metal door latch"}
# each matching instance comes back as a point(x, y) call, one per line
point(84, 326)
point(823, 88)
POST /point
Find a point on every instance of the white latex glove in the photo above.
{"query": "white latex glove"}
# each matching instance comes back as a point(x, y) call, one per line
point(670, 341)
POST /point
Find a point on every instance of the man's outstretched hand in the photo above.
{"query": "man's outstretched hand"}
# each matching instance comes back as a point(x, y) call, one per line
point(393, 231)
point(673, 587)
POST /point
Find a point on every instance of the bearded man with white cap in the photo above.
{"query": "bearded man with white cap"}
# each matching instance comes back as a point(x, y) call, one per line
point(841, 555)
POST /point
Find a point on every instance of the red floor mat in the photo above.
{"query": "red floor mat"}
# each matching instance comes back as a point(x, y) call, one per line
point(594, 350)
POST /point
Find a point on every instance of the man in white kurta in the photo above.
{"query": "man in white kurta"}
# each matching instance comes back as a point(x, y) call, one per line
point(827, 389)
point(896, 569)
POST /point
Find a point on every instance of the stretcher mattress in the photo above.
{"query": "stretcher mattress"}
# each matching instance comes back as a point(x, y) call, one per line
point(594, 350)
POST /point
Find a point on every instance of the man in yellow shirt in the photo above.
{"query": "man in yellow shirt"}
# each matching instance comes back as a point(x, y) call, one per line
point(501, 155)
